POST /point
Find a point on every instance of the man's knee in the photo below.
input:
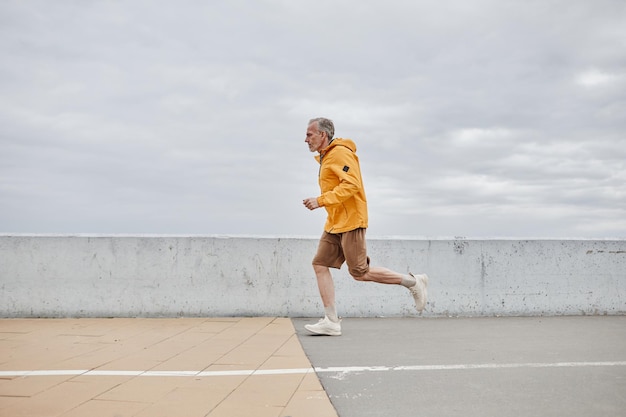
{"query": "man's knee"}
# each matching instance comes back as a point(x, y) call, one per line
point(319, 268)
point(359, 274)
point(360, 270)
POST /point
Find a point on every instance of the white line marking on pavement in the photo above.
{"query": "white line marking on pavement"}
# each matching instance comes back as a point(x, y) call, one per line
point(468, 366)
point(341, 369)
point(86, 372)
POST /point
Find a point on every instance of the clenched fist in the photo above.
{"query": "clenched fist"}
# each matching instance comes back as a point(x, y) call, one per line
point(311, 203)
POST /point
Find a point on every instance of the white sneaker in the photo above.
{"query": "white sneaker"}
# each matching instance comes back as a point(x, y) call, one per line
point(325, 327)
point(420, 291)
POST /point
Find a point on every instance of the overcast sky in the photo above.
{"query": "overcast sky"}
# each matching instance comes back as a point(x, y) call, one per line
point(476, 118)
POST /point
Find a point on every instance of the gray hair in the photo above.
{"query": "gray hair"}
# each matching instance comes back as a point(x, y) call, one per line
point(324, 125)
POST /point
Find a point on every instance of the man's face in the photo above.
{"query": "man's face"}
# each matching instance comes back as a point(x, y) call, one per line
point(315, 139)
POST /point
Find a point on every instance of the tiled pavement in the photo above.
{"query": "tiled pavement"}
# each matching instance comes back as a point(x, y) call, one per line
point(183, 367)
point(256, 367)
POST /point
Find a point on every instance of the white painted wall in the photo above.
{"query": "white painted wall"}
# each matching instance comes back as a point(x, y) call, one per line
point(113, 276)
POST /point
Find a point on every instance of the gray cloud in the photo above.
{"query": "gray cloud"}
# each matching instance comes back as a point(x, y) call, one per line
point(478, 118)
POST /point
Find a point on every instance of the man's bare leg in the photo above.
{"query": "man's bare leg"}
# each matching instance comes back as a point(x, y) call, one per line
point(329, 325)
point(386, 276)
point(416, 284)
point(326, 286)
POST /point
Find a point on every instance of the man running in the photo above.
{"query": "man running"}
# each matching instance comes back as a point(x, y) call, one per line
point(343, 239)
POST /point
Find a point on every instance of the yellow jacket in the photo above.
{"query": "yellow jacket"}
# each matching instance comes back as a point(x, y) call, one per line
point(343, 195)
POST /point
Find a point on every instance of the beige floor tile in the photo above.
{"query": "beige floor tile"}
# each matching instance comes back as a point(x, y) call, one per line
point(144, 332)
point(142, 352)
point(157, 340)
point(266, 390)
point(18, 325)
point(309, 404)
point(105, 382)
point(6, 348)
point(229, 409)
point(310, 400)
point(119, 331)
point(198, 344)
point(311, 383)
point(10, 402)
point(286, 362)
point(140, 341)
point(30, 386)
point(92, 360)
point(213, 383)
point(100, 408)
point(228, 367)
point(220, 346)
point(60, 398)
point(291, 347)
point(187, 402)
point(216, 325)
point(25, 326)
point(143, 389)
point(247, 357)
point(241, 330)
point(39, 354)
point(133, 362)
point(172, 347)
point(254, 351)
point(29, 356)
point(190, 350)
point(279, 325)
point(197, 358)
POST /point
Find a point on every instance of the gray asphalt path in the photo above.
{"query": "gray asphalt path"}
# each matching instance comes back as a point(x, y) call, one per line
point(526, 366)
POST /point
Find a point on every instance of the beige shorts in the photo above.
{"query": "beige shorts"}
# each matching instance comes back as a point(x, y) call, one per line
point(335, 249)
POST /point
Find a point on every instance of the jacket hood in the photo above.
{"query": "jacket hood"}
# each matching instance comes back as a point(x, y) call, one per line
point(347, 143)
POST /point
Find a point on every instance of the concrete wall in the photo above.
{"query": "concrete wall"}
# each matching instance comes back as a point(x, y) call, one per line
point(112, 276)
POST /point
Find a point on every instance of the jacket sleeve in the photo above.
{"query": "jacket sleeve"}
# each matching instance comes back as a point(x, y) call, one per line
point(349, 182)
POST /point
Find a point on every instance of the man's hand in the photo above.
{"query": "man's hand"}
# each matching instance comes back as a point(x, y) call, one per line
point(311, 203)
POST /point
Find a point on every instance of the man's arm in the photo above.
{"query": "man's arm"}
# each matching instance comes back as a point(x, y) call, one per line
point(344, 166)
